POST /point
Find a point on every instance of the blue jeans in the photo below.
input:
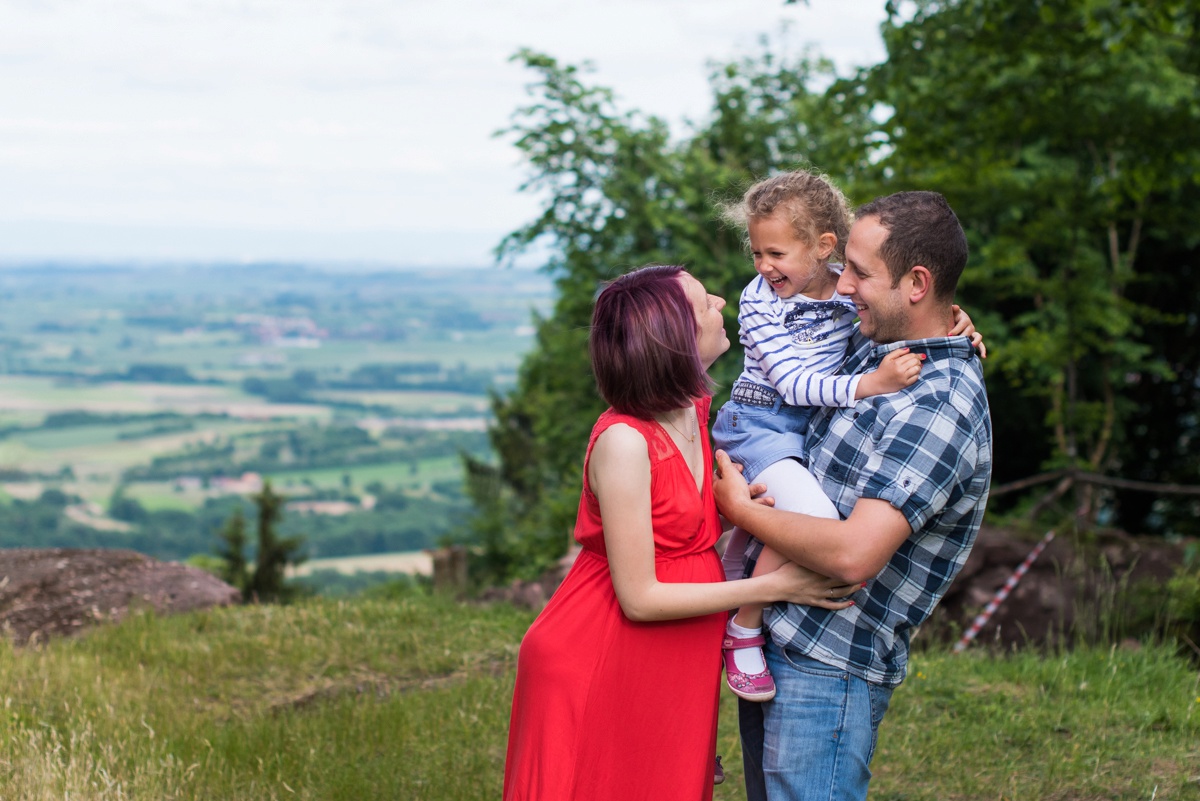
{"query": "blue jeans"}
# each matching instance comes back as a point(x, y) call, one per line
point(815, 740)
point(758, 436)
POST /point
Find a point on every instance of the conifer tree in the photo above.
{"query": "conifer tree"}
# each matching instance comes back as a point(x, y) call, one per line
point(275, 553)
point(235, 570)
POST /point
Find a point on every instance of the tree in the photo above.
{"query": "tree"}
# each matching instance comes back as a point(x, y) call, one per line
point(1065, 133)
point(622, 193)
point(234, 568)
point(275, 553)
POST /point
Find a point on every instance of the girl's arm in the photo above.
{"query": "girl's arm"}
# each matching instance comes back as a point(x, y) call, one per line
point(768, 344)
point(897, 370)
point(619, 475)
point(963, 327)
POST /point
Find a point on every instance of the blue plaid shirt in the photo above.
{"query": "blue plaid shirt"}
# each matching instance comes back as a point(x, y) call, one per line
point(926, 450)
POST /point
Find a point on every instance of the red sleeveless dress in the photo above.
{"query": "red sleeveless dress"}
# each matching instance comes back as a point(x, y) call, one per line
point(608, 708)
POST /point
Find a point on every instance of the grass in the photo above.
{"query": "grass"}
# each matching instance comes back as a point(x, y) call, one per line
point(409, 698)
point(320, 700)
point(1095, 723)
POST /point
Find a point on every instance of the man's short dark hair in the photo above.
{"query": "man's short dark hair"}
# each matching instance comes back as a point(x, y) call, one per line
point(922, 230)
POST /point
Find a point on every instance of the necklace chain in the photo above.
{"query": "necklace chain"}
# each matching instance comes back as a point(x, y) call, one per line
point(695, 430)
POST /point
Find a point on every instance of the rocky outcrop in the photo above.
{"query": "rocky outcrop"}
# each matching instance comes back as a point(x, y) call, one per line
point(533, 594)
point(1073, 588)
point(48, 592)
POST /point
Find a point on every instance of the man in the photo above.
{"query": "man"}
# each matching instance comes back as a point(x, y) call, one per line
point(908, 472)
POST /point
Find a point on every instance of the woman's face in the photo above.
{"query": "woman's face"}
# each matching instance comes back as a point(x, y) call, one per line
point(711, 339)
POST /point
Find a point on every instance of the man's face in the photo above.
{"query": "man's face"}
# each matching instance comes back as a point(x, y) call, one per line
point(866, 280)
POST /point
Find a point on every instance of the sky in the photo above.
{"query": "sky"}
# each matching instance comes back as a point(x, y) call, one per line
point(330, 131)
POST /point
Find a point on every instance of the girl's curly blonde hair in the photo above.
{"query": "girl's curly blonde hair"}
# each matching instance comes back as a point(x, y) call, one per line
point(809, 202)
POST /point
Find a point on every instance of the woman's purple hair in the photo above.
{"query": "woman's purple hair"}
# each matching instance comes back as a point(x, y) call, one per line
point(643, 343)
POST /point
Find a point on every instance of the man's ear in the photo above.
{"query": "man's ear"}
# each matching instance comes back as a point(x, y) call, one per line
point(920, 283)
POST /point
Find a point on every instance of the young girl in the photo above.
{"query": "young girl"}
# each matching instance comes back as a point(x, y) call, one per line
point(794, 327)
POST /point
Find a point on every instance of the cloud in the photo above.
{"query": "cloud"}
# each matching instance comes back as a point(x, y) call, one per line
point(332, 115)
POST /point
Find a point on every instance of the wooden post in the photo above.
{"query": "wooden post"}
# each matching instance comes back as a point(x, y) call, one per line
point(450, 569)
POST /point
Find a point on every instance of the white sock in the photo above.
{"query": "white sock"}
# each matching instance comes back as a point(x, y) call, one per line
point(747, 660)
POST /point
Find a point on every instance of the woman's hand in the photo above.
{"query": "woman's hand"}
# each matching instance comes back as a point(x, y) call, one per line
point(799, 585)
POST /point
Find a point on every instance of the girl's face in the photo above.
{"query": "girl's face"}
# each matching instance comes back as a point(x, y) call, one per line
point(711, 339)
point(791, 265)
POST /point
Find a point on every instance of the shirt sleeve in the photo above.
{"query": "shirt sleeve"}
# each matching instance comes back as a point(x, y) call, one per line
point(926, 455)
point(768, 344)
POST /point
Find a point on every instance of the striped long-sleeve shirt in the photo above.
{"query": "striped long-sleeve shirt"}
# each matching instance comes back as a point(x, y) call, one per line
point(794, 345)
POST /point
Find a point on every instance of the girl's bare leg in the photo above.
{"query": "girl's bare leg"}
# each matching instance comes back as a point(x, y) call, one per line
point(794, 490)
point(751, 615)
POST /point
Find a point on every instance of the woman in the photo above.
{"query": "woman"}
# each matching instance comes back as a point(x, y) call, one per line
point(617, 679)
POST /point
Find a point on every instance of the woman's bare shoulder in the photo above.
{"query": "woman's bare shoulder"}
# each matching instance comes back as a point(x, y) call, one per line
point(620, 441)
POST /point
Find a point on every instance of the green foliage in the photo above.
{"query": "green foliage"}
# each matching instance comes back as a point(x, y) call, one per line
point(1066, 134)
point(1183, 600)
point(401, 521)
point(305, 446)
point(159, 373)
point(267, 582)
point(234, 568)
point(377, 584)
point(163, 533)
point(621, 192)
point(126, 509)
point(421, 525)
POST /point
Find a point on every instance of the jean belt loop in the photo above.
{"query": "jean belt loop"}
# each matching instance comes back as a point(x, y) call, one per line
point(784, 651)
point(753, 394)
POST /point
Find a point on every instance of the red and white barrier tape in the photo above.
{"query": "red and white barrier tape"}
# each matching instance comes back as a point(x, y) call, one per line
point(1002, 593)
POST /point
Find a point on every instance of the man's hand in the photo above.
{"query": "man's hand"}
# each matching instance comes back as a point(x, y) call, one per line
point(730, 488)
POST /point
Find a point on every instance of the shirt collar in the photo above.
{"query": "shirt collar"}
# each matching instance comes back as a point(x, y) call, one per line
point(934, 348)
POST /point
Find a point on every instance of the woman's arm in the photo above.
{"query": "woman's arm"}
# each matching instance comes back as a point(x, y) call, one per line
point(619, 475)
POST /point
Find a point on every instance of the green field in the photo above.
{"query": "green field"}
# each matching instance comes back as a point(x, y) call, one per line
point(419, 474)
point(409, 698)
point(414, 403)
point(161, 383)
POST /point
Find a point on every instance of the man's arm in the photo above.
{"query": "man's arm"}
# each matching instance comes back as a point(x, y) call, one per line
point(853, 550)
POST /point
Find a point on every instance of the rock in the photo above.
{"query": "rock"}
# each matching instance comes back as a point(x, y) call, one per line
point(534, 594)
point(49, 592)
point(1066, 591)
